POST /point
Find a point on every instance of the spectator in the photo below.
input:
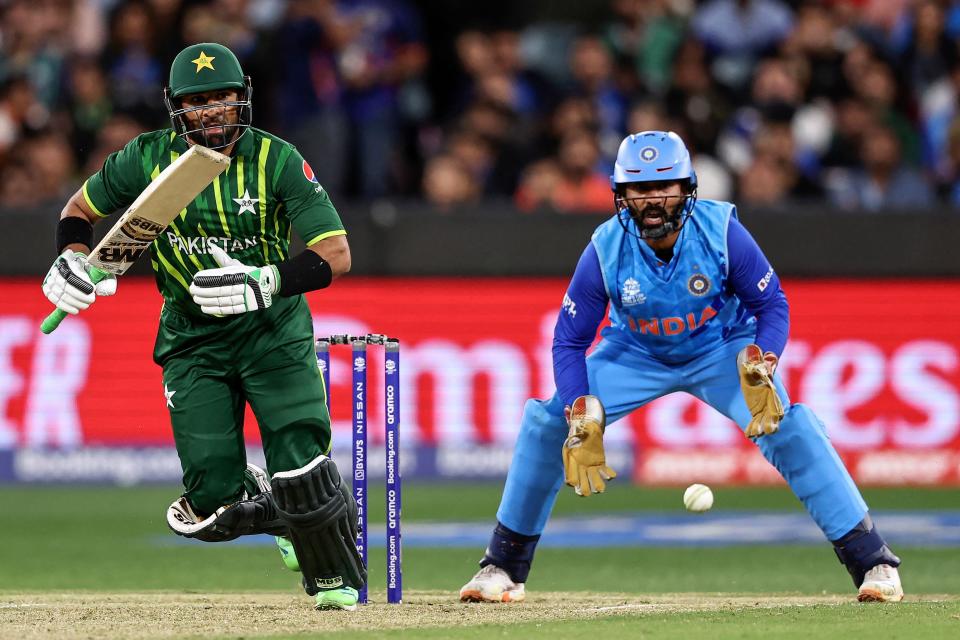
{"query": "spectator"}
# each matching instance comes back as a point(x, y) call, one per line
point(539, 186)
point(89, 105)
point(883, 181)
point(647, 33)
point(951, 186)
point(309, 89)
point(814, 40)
point(18, 189)
point(738, 32)
point(929, 53)
point(475, 153)
point(448, 183)
point(135, 73)
point(52, 164)
point(32, 45)
point(938, 110)
point(115, 133)
point(17, 103)
point(694, 97)
point(583, 187)
point(853, 117)
point(757, 88)
point(382, 53)
point(531, 92)
point(765, 183)
point(591, 66)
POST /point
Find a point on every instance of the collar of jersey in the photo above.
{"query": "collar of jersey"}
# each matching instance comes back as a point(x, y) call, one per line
point(649, 257)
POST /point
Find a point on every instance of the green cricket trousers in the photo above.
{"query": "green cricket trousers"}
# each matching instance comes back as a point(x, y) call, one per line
point(212, 367)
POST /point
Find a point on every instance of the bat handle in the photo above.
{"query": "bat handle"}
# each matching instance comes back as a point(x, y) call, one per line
point(56, 316)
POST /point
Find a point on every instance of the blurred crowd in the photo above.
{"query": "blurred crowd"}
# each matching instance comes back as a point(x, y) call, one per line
point(782, 103)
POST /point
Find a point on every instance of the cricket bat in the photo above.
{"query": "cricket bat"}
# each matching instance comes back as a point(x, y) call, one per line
point(152, 212)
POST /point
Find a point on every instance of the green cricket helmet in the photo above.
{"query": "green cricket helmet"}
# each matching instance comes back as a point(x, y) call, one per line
point(203, 67)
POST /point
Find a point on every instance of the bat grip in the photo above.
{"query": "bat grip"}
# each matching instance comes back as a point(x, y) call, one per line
point(56, 316)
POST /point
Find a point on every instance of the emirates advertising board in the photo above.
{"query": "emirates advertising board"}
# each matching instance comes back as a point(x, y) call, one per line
point(878, 360)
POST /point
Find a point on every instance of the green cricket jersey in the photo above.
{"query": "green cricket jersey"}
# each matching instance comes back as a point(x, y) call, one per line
point(249, 210)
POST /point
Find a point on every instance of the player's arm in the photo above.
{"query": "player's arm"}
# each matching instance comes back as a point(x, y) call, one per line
point(583, 309)
point(237, 288)
point(78, 215)
point(69, 283)
point(757, 286)
point(584, 306)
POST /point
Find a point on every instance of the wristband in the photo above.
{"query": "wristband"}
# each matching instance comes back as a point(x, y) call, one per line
point(74, 230)
point(304, 272)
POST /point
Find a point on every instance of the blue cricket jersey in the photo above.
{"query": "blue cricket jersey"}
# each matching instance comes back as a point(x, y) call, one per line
point(718, 285)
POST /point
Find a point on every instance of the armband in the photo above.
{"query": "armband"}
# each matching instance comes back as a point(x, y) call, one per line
point(73, 230)
point(304, 272)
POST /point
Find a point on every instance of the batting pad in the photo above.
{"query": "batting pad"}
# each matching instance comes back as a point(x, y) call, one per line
point(322, 517)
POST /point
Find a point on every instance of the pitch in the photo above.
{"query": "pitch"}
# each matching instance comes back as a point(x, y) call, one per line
point(99, 563)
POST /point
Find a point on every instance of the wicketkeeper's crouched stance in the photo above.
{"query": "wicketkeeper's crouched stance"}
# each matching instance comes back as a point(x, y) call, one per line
point(694, 307)
point(235, 328)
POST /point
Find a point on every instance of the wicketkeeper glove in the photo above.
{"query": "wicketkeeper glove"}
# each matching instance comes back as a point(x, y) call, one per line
point(584, 464)
point(756, 382)
point(72, 284)
point(234, 287)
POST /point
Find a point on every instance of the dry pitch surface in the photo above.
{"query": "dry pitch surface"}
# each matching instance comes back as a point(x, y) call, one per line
point(169, 615)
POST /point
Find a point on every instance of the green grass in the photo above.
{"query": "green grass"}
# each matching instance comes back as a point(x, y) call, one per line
point(108, 539)
point(116, 539)
point(907, 621)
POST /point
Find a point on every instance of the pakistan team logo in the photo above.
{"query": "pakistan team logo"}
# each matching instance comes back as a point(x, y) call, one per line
point(631, 294)
point(698, 284)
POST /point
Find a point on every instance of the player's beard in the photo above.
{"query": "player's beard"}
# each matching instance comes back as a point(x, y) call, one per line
point(215, 131)
point(655, 222)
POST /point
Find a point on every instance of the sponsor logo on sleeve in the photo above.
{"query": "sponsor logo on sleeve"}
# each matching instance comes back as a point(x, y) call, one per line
point(311, 176)
point(569, 306)
point(765, 280)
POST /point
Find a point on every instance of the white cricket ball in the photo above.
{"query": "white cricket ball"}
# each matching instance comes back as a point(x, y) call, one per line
point(698, 498)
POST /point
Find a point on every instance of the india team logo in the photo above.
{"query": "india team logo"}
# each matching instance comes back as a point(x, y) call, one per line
point(631, 294)
point(649, 154)
point(698, 284)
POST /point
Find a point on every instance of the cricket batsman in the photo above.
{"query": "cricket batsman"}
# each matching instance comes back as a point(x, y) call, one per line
point(235, 327)
point(695, 307)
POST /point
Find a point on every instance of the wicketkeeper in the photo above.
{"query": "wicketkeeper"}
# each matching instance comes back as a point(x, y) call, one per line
point(235, 327)
point(695, 307)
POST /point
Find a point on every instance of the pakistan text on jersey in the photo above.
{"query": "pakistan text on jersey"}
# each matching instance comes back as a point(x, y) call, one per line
point(671, 326)
point(202, 244)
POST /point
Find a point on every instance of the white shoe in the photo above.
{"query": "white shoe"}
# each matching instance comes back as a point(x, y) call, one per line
point(881, 584)
point(492, 584)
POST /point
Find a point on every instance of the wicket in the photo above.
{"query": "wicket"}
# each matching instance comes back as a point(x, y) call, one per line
point(391, 386)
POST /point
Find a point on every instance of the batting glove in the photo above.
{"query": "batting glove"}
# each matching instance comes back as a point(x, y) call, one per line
point(72, 284)
point(584, 464)
point(756, 382)
point(234, 287)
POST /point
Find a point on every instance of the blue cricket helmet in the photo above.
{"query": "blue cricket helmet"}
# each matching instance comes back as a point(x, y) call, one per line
point(652, 156)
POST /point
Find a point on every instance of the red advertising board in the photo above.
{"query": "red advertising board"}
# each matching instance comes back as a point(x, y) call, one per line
point(878, 360)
